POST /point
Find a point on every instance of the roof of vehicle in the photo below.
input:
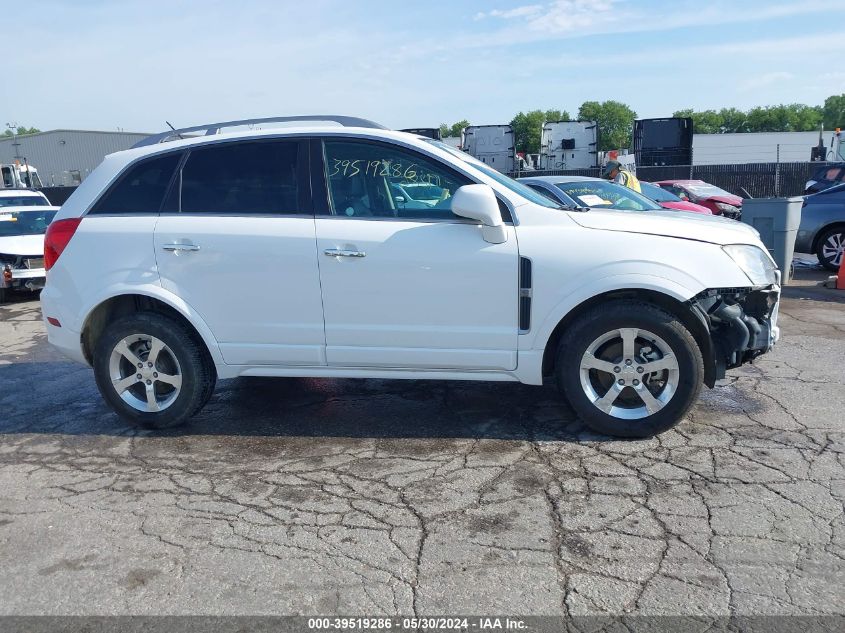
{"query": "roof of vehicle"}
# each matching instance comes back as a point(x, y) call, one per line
point(681, 181)
point(300, 130)
point(8, 193)
point(556, 179)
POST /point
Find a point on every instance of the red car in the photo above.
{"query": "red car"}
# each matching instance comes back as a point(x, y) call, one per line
point(669, 200)
point(719, 201)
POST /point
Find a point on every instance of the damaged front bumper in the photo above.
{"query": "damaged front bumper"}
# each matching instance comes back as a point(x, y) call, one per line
point(742, 323)
point(22, 273)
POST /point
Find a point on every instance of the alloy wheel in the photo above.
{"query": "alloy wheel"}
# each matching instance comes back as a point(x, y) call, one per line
point(629, 373)
point(145, 373)
point(833, 248)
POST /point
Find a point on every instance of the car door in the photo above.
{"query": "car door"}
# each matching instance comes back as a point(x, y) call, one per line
point(405, 282)
point(239, 247)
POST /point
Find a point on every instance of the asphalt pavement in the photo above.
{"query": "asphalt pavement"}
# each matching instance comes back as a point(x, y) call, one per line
point(377, 497)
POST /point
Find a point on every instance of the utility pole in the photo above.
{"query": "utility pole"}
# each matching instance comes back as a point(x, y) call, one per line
point(13, 128)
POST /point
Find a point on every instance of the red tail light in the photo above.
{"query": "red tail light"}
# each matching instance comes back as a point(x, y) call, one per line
point(57, 238)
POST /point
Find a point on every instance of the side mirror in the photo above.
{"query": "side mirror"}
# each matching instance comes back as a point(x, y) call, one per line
point(478, 202)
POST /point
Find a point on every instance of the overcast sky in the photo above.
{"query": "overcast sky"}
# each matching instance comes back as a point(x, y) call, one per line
point(131, 64)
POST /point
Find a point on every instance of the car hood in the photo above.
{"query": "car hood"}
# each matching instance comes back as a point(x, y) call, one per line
point(701, 228)
point(22, 245)
point(682, 205)
point(734, 200)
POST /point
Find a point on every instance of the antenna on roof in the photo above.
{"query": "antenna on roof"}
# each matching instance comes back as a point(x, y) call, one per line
point(174, 129)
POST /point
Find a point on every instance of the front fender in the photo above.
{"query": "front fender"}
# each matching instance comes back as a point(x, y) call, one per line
point(588, 290)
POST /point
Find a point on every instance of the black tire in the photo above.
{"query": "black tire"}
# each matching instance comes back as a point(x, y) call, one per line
point(3, 295)
point(629, 314)
point(830, 262)
point(197, 368)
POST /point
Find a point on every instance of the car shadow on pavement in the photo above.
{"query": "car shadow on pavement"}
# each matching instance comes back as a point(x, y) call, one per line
point(59, 397)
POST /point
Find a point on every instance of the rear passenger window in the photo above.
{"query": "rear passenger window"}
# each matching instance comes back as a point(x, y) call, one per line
point(240, 178)
point(142, 188)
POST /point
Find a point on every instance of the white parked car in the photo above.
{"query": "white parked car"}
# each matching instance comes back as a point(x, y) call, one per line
point(290, 252)
point(22, 247)
point(22, 198)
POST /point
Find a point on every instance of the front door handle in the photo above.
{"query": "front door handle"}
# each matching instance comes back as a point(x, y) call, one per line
point(180, 247)
point(339, 252)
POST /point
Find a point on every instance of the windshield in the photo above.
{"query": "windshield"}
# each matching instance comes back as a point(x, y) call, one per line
point(23, 201)
point(25, 222)
point(656, 193)
point(705, 190)
point(509, 183)
point(606, 195)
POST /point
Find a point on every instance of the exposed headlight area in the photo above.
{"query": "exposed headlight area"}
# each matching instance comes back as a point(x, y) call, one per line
point(742, 323)
point(729, 210)
point(22, 271)
point(756, 263)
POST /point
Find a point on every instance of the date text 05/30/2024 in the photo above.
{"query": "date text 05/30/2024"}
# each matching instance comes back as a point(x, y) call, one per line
point(416, 624)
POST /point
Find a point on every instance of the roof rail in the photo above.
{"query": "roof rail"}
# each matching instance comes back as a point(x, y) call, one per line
point(214, 128)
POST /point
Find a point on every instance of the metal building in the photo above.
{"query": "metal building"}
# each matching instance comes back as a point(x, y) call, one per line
point(65, 157)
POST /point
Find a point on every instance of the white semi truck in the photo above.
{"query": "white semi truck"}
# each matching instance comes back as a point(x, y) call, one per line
point(492, 145)
point(569, 145)
point(17, 176)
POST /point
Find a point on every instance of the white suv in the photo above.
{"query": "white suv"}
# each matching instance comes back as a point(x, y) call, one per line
point(300, 252)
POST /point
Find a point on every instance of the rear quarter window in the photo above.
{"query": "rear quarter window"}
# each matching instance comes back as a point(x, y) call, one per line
point(141, 188)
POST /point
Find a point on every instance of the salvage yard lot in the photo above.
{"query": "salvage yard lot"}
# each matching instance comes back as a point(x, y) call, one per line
point(392, 497)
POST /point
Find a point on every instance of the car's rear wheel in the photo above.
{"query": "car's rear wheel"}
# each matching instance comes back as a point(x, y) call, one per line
point(152, 370)
point(629, 369)
point(831, 246)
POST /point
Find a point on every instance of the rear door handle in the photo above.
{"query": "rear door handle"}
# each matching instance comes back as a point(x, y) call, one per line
point(180, 247)
point(339, 252)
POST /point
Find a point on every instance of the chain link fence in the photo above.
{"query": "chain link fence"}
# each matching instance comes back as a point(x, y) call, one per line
point(760, 180)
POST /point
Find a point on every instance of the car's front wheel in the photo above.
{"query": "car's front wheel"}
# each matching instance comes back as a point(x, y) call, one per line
point(152, 370)
point(830, 247)
point(629, 369)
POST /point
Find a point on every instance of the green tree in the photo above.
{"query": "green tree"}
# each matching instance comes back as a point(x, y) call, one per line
point(454, 129)
point(615, 121)
point(808, 117)
point(733, 120)
point(527, 127)
point(21, 131)
point(794, 117)
point(703, 122)
point(833, 112)
point(779, 118)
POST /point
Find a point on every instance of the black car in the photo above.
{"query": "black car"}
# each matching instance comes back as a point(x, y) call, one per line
point(825, 177)
point(822, 229)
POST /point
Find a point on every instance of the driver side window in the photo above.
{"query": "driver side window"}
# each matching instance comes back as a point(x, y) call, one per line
point(374, 180)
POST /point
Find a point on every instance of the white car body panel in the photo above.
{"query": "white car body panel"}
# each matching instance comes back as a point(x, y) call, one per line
point(705, 228)
point(254, 280)
point(430, 299)
point(594, 262)
point(27, 245)
point(428, 295)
